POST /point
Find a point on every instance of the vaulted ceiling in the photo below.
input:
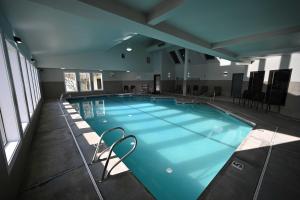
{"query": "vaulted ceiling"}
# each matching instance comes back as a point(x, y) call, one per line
point(232, 29)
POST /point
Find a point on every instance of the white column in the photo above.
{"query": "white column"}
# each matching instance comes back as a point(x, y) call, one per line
point(185, 71)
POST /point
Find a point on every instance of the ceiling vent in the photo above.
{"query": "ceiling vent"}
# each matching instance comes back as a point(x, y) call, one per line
point(161, 44)
point(209, 57)
point(182, 54)
point(174, 57)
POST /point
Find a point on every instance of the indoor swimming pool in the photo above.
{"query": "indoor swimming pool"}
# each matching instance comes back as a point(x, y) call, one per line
point(181, 147)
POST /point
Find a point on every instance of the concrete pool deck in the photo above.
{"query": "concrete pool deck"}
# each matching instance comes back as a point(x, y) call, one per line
point(281, 176)
point(56, 169)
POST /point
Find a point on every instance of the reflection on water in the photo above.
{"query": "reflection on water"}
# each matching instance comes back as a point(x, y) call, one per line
point(90, 109)
point(100, 108)
point(87, 108)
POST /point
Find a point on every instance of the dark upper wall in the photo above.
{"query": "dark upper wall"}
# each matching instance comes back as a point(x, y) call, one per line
point(52, 81)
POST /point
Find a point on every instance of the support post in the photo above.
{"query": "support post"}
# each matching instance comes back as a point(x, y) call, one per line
point(185, 71)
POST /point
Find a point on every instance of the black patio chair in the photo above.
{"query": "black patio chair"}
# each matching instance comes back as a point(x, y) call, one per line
point(259, 99)
point(132, 88)
point(188, 89)
point(126, 89)
point(195, 89)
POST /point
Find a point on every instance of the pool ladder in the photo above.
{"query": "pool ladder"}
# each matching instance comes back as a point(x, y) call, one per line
point(123, 138)
point(62, 96)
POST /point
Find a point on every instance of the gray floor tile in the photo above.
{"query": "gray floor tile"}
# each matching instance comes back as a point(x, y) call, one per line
point(70, 186)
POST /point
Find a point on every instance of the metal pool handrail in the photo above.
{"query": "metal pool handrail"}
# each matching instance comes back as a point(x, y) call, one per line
point(106, 175)
point(61, 96)
point(101, 139)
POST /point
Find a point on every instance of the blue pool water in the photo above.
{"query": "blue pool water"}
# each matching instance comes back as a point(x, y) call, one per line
point(181, 147)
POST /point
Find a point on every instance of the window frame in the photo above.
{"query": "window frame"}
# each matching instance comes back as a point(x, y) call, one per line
point(90, 83)
point(96, 83)
point(28, 66)
point(9, 113)
point(3, 135)
point(18, 84)
point(26, 84)
point(70, 72)
point(37, 83)
point(34, 84)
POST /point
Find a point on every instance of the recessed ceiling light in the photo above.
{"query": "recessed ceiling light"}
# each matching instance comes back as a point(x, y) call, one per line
point(127, 71)
point(128, 49)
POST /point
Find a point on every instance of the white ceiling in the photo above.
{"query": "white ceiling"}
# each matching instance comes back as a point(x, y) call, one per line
point(231, 29)
point(54, 29)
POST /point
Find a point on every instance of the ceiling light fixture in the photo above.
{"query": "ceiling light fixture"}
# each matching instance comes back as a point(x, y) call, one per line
point(127, 71)
point(62, 68)
point(129, 49)
point(17, 40)
point(127, 37)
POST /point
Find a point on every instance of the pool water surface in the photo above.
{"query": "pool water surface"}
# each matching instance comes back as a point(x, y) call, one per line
point(181, 147)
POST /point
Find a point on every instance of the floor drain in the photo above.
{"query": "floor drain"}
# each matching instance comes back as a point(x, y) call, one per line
point(237, 165)
point(169, 170)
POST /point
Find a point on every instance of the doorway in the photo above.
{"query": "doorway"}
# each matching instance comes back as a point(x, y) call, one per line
point(157, 84)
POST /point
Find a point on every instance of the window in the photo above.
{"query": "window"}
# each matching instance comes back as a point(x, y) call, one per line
point(26, 84)
point(37, 83)
point(8, 113)
point(70, 82)
point(34, 84)
point(97, 81)
point(18, 84)
point(31, 83)
point(3, 136)
point(85, 81)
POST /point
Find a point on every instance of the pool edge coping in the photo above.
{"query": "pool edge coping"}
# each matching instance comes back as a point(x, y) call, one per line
point(76, 137)
point(191, 101)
